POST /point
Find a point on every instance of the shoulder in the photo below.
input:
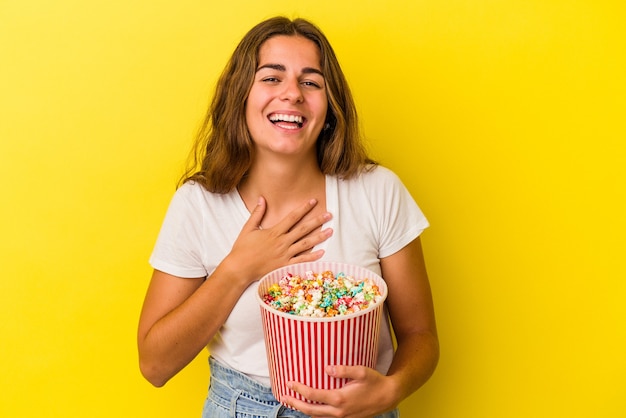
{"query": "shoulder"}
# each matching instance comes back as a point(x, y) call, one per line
point(380, 173)
point(375, 186)
point(185, 196)
point(191, 188)
point(192, 199)
point(192, 191)
point(373, 176)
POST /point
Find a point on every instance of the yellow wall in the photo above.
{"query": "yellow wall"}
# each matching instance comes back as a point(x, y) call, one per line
point(504, 118)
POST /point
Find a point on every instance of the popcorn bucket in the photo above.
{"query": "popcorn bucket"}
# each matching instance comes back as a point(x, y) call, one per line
point(300, 347)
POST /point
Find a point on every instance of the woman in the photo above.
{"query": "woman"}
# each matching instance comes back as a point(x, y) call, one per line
point(283, 178)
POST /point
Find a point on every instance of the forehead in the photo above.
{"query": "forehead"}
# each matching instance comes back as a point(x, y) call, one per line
point(295, 50)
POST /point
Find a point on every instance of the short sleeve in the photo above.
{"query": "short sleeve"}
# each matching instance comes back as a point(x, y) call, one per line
point(176, 251)
point(399, 218)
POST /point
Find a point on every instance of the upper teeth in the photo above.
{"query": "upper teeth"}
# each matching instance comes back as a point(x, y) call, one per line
point(285, 118)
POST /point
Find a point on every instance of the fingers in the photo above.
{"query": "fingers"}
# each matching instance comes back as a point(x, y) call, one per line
point(347, 372)
point(293, 237)
point(289, 221)
point(354, 399)
point(321, 407)
point(299, 248)
point(254, 221)
point(296, 216)
point(299, 233)
point(302, 234)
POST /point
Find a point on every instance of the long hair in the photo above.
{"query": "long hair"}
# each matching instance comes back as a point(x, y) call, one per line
point(222, 153)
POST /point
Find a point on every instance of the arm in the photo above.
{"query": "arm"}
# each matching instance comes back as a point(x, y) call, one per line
point(412, 316)
point(177, 321)
point(413, 319)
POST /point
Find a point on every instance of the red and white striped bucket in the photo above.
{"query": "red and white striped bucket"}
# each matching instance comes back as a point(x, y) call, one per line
point(299, 348)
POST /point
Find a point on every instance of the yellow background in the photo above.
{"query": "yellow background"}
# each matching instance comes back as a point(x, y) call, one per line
point(504, 118)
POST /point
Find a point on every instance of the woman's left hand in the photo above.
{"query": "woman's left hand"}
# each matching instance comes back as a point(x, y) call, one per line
point(367, 394)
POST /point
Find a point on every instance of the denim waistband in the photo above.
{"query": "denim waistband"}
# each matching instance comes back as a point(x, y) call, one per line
point(239, 381)
point(233, 394)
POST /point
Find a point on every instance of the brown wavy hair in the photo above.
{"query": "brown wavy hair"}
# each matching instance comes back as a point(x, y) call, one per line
point(222, 153)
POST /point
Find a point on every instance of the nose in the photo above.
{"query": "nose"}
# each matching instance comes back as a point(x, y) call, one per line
point(292, 91)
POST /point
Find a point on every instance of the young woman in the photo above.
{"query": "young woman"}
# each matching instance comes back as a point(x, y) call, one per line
point(282, 177)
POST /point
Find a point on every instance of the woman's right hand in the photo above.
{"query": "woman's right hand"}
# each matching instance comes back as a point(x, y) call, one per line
point(176, 321)
point(257, 251)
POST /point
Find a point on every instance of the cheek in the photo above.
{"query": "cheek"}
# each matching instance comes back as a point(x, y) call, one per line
point(254, 106)
point(324, 109)
point(324, 106)
point(255, 99)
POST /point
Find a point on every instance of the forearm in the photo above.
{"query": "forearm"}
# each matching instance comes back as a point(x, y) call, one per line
point(412, 316)
point(413, 364)
point(180, 316)
point(175, 339)
point(369, 393)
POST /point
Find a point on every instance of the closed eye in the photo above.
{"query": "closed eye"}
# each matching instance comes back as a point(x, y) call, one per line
point(309, 83)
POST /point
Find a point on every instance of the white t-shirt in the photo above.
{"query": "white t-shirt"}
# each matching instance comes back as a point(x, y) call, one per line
point(374, 216)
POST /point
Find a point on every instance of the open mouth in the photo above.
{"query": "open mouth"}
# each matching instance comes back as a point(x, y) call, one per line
point(287, 121)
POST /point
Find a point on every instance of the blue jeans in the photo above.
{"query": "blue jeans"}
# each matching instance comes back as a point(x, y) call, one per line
point(235, 395)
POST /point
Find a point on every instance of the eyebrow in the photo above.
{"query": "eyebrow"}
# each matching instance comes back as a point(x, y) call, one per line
point(280, 67)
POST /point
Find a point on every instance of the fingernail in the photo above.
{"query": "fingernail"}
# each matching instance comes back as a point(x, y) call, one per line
point(312, 201)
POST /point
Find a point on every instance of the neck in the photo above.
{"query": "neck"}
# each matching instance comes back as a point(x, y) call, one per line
point(284, 185)
point(282, 179)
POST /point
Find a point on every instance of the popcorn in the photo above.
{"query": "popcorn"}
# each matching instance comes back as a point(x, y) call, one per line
point(322, 294)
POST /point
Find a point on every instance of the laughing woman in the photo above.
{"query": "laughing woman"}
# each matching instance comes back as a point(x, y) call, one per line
point(281, 177)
